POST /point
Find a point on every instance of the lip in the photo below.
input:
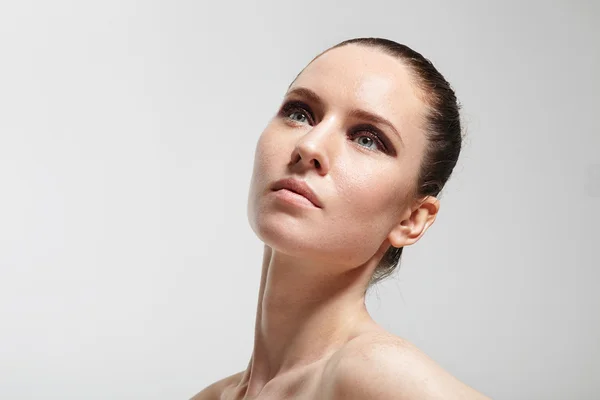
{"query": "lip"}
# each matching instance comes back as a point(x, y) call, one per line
point(299, 187)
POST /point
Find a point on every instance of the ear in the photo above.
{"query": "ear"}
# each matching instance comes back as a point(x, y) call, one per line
point(414, 222)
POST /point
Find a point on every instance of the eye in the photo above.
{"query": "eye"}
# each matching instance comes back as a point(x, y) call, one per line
point(297, 112)
point(370, 140)
point(298, 116)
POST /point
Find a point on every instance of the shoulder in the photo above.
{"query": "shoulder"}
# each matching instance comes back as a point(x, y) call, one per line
point(214, 391)
point(383, 366)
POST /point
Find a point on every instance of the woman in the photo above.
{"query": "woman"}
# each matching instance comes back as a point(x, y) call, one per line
point(345, 176)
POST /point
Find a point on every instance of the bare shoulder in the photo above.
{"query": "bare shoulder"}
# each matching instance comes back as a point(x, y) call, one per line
point(214, 391)
point(384, 366)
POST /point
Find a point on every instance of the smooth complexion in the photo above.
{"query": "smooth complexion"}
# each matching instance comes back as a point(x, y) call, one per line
point(351, 126)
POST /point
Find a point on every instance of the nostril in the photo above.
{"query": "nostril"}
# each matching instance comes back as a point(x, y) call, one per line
point(317, 165)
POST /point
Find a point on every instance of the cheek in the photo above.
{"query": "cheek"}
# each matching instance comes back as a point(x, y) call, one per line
point(271, 155)
point(373, 192)
point(268, 154)
point(367, 207)
point(271, 148)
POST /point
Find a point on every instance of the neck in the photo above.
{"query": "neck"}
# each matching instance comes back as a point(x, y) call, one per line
point(304, 314)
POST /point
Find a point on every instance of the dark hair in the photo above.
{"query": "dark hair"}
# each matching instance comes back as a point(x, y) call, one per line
point(442, 129)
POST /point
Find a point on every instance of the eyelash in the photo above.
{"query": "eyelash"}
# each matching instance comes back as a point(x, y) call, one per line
point(373, 133)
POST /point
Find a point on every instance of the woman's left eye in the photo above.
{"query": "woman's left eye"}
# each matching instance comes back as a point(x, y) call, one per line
point(371, 139)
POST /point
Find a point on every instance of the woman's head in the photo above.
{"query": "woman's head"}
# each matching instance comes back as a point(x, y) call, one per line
point(374, 130)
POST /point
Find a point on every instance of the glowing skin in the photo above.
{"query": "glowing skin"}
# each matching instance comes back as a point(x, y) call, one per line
point(314, 338)
point(364, 190)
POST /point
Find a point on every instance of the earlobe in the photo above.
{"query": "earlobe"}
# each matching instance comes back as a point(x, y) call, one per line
point(409, 230)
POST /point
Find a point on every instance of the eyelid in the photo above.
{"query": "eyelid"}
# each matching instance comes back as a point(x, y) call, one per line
point(297, 104)
point(373, 131)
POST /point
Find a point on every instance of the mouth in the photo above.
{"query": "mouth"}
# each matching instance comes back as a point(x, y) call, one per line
point(296, 190)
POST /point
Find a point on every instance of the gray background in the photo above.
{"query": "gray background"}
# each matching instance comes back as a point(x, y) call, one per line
point(127, 130)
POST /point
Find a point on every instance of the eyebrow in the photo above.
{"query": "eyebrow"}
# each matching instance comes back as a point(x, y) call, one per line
point(357, 113)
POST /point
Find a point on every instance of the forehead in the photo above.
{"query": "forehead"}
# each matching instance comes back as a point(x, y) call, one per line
point(361, 77)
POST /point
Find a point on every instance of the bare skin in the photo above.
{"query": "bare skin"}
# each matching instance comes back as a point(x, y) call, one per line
point(314, 338)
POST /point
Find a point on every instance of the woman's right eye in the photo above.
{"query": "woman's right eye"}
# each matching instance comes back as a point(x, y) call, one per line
point(297, 116)
point(297, 112)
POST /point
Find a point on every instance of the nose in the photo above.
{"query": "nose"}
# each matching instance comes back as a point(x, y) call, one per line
point(315, 148)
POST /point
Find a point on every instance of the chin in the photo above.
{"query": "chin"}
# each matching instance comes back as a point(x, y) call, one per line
point(281, 237)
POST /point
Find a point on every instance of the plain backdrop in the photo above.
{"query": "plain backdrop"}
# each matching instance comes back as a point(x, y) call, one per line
point(128, 269)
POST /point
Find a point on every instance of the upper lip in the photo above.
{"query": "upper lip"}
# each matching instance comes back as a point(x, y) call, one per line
point(300, 187)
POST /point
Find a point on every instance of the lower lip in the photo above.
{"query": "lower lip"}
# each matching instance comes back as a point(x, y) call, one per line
point(294, 198)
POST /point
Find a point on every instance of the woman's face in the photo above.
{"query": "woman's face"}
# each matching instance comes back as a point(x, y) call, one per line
point(350, 127)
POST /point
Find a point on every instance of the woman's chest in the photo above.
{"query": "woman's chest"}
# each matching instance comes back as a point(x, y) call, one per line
point(306, 385)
